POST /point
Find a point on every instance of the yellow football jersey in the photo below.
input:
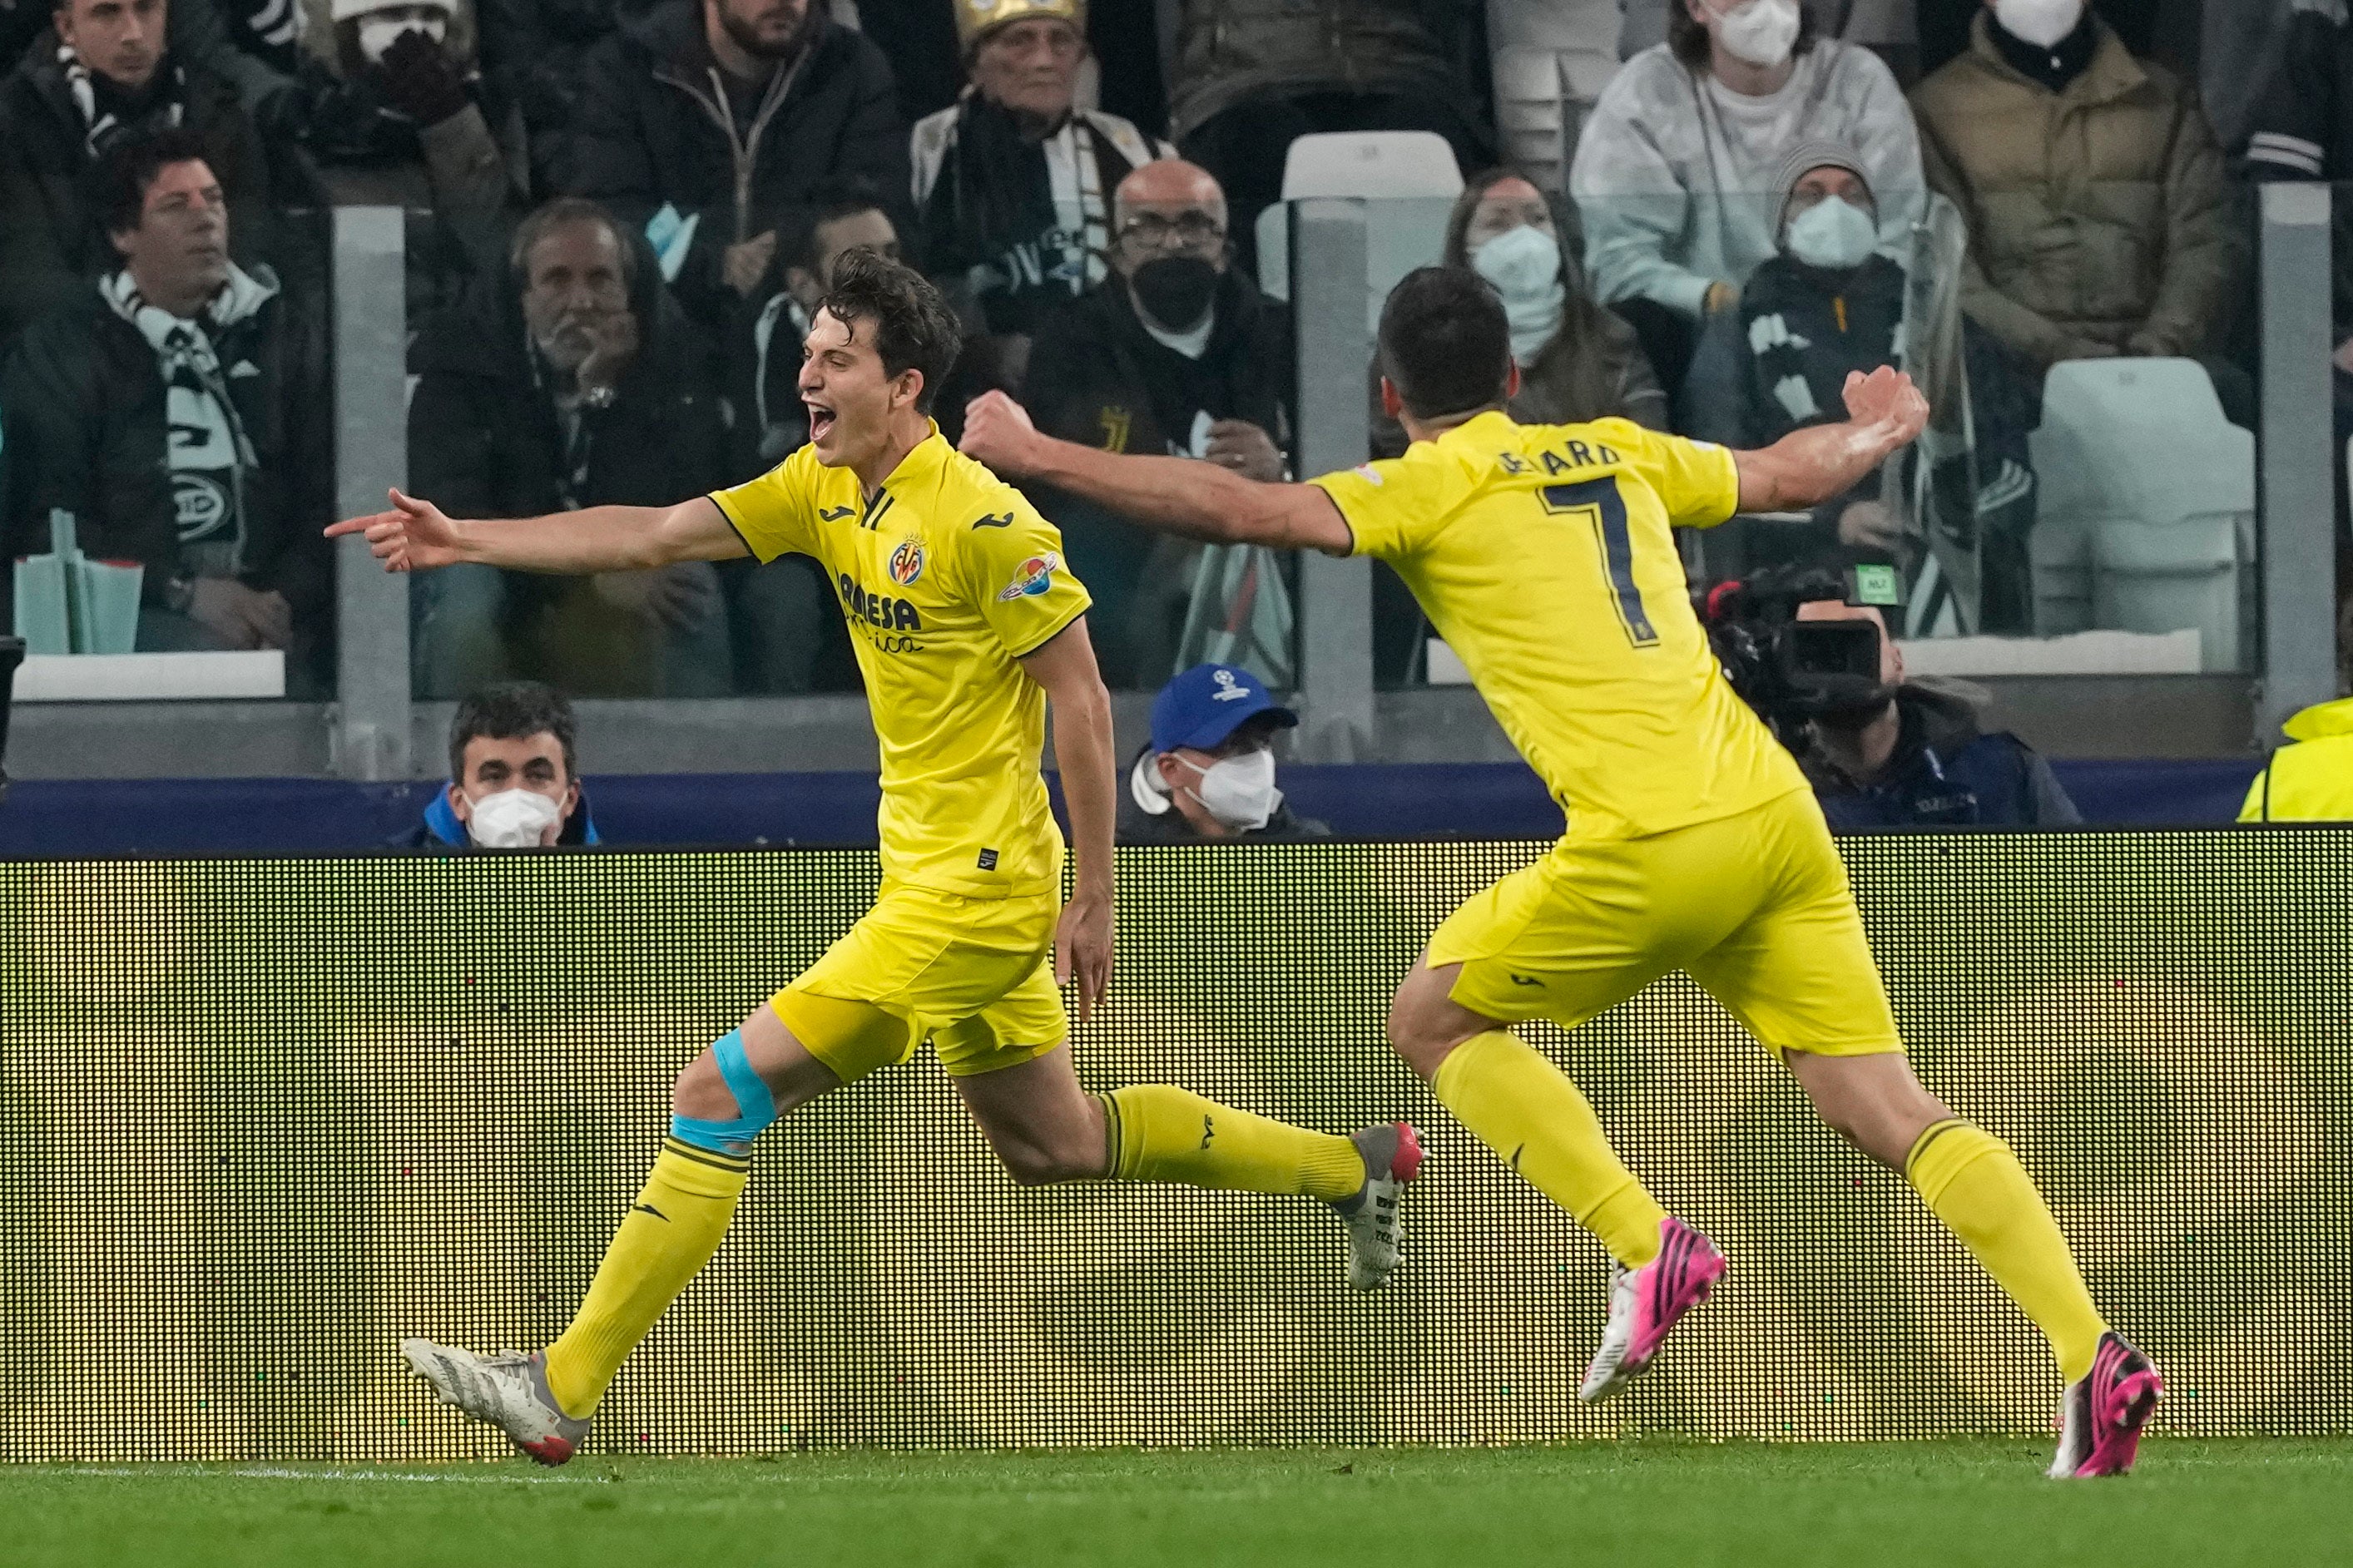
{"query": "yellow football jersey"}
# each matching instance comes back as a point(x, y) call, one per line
point(949, 576)
point(1546, 557)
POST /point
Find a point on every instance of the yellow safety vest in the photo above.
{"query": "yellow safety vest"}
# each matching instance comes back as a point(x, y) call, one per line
point(2311, 781)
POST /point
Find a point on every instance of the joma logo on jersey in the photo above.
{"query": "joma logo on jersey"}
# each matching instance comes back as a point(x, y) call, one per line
point(1577, 456)
point(877, 609)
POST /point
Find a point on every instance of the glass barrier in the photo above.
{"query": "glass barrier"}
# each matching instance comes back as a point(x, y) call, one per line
point(167, 471)
point(2083, 502)
point(562, 386)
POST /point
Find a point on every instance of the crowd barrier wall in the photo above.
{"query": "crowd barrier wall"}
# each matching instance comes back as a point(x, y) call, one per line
point(260, 1118)
point(85, 818)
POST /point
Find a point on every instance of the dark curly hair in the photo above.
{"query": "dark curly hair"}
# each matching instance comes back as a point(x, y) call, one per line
point(512, 710)
point(1445, 344)
point(130, 166)
point(914, 329)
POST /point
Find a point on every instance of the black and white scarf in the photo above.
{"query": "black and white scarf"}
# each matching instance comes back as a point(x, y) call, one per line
point(99, 125)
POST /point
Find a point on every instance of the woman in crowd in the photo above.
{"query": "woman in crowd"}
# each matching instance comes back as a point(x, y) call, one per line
point(1579, 360)
point(1676, 171)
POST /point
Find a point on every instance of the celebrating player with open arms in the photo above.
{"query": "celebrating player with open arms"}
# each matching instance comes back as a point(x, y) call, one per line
point(967, 624)
point(1544, 555)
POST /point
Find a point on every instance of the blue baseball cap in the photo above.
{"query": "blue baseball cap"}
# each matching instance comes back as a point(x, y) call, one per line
point(1205, 704)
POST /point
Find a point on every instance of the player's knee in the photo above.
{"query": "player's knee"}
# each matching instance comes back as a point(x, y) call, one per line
point(701, 1091)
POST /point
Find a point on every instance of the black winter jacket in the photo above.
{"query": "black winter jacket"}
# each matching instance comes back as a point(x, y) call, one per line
point(484, 437)
point(1946, 771)
point(87, 432)
point(51, 241)
point(654, 126)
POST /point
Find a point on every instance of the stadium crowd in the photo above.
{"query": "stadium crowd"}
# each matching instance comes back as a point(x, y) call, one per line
point(623, 213)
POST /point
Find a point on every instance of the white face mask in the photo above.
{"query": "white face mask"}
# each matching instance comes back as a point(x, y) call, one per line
point(511, 819)
point(1240, 791)
point(1761, 32)
point(376, 34)
point(1524, 264)
point(1834, 235)
point(2041, 23)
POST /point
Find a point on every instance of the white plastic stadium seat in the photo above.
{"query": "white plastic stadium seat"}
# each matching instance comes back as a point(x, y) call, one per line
point(1407, 175)
point(2146, 516)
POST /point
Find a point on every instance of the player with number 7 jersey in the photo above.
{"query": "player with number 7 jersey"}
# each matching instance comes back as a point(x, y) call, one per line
point(1545, 556)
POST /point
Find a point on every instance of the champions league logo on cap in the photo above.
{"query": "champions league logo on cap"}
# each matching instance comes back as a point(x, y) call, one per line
point(906, 562)
point(1037, 575)
point(1229, 689)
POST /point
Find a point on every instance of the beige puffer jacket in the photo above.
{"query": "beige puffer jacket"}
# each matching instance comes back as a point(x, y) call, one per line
point(2098, 220)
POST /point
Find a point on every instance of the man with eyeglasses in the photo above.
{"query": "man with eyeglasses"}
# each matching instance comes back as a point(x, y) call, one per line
point(1013, 180)
point(1175, 353)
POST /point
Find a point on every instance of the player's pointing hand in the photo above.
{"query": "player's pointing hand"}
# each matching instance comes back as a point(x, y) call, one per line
point(997, 431)
point(414, 536)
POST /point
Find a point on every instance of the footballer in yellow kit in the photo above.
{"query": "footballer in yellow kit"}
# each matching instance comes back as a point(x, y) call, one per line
point(1545, 556)
point(967, 624)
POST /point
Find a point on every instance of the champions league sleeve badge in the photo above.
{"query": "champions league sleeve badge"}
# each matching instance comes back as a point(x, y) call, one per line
point(1037, 575)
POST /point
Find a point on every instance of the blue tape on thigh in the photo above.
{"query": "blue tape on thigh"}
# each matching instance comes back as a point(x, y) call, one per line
point(756, 1107)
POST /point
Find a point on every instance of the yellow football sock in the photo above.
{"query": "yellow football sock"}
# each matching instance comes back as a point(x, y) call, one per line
point(1164, 1134)
point(1971, 1181)
point(1527, 1111)
point(664, 1240)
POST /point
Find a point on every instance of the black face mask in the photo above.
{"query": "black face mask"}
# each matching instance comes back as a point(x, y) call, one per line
point(1175, 292)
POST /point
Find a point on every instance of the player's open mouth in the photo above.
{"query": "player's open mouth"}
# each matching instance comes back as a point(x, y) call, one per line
point(820, 421)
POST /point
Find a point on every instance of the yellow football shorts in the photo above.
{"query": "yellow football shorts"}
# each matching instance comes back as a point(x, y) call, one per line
point(1755, 907)
point(972, 975)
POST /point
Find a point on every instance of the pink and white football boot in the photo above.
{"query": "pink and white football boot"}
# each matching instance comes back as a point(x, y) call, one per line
point(1646, 1302)
point(2101, 1416)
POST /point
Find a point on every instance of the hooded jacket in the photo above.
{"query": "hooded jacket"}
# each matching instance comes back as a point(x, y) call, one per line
point(2097, 214)
point(50, 242)
point(655, 128)
point(88, 432)
point(2311, 781)
point(1234, 51)
point(1946, 772)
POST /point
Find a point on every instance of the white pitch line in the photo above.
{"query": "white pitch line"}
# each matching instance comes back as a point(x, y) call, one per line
point(272, 1474)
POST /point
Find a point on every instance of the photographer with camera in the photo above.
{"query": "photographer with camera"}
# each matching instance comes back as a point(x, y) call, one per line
point(1810, 650)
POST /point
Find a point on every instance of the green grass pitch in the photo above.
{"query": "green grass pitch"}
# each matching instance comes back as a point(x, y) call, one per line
point(1757, 1506)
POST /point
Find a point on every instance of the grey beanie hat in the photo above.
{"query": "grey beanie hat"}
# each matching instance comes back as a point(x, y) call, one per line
point(1807, 156)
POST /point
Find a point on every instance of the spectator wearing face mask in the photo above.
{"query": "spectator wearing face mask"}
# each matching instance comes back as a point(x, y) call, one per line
point(2098, 227)
point(1677, 173)
point(1915, 754)
point(1176, 352)
point(402, 116)
point(1828, 305)
point(1208, 774)
point(1579, 360)
point(514, 783)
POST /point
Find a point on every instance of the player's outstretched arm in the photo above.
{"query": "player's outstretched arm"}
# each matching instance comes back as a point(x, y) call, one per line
point(1065, 666)
point(417, 536)
point(1885, 413)
point(1174, 495)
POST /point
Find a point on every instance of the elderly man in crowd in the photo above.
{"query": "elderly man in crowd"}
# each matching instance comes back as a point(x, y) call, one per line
point(578, 383)
point(1175, 353)
point(1014, 183)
